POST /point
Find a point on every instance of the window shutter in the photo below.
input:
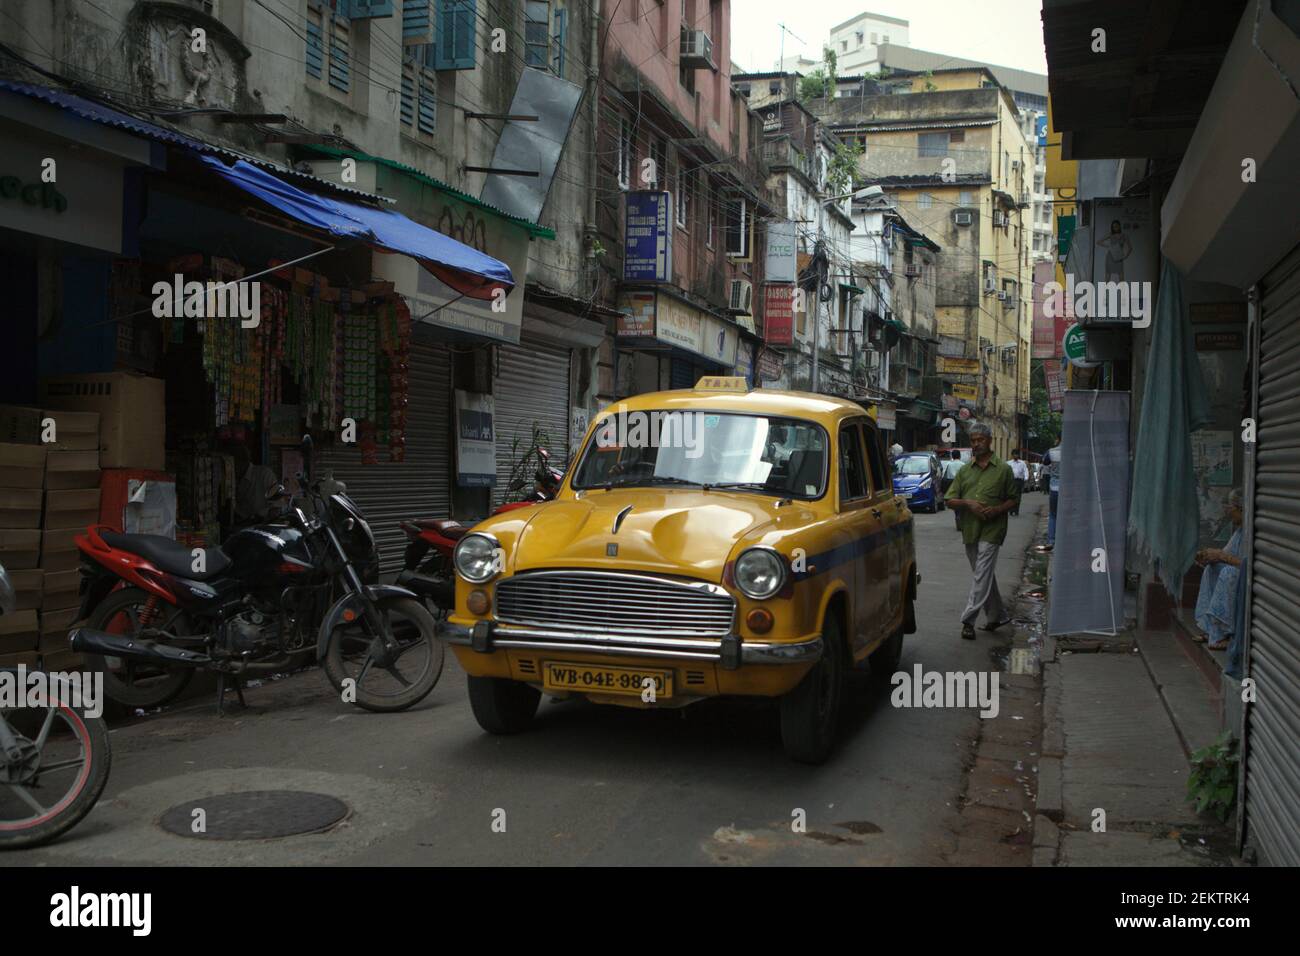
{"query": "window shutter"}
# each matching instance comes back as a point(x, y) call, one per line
point(561, 31)
point(408, 94)
point(340, 73)
point(428, 105)
point(454, 34)
point(416, 23)
point(315, 51)
point(365, 9)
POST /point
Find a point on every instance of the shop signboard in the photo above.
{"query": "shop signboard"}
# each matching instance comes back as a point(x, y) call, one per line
point(1055, 385)
point(637, 315)
point(1123, 263)
point(476, 457)
point(781, 251)
point(778, 314)
point(968, 392)
point(647, 237)
point(745, 362)
point(949, 365)
point(678, 324)
point(82, 206)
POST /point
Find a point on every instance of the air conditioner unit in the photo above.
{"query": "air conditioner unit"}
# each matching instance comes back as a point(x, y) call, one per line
point(1015, 164)
point(1002, 295)
point(989, 285)
point(962, 218)
point(742, 293)
point(696, 50)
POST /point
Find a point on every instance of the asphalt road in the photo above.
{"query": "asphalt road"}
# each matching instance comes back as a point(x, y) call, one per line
point(707, 784)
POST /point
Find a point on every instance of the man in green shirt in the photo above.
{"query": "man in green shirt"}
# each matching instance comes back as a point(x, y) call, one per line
point(983, 492)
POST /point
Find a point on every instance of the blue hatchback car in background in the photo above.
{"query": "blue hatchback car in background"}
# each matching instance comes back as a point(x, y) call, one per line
point(918, 478)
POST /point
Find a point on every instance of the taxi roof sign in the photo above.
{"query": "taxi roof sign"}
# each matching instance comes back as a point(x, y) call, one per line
point(722, 383)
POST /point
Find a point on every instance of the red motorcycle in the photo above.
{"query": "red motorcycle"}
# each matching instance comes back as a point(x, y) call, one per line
point(430, 541)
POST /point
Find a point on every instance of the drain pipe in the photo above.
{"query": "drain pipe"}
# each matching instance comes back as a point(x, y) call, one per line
point(593, 107)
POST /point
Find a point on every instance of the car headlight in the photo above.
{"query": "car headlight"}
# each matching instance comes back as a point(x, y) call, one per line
point(760, 573)
point(478, 558)
point(925, 483)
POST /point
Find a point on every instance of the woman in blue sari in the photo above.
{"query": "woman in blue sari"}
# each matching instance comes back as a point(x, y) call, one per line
point(1216, 604)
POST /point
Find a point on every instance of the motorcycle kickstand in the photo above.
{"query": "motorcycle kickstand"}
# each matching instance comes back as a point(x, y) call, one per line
point(221, 692)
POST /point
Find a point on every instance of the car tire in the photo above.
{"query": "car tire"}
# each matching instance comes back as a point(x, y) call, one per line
point(503, 706)
point(810, 712)
point(884, 659)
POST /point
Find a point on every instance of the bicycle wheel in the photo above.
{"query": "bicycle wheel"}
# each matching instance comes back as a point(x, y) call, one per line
point(60, 770)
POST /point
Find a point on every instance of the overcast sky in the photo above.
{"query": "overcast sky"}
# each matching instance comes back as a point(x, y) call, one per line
point(1002, 32)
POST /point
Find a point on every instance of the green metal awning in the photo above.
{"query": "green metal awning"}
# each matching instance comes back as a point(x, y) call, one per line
point(534, 230)
point(852, 288)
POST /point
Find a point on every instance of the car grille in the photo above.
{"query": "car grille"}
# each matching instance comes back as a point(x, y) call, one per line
point(615, 603)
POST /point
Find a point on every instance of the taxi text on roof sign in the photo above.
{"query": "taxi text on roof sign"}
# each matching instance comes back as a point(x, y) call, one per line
point(722, 383)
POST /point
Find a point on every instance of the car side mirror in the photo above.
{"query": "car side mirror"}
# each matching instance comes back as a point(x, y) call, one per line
point(516, 484)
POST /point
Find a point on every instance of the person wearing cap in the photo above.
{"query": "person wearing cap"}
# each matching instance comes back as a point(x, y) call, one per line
point(984, 492)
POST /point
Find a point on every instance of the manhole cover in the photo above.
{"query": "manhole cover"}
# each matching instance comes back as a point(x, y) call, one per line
point(254, 815)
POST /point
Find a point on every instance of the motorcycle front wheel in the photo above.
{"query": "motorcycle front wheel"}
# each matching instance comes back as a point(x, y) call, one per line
point(135, 683)
point(57, 775)
point(361, 671)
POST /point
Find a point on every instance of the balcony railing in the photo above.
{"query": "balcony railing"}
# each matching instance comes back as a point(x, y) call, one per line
point(781, 153)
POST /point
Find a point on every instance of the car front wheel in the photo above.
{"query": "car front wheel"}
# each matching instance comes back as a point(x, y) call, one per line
point(810, 712)
point(503, 706)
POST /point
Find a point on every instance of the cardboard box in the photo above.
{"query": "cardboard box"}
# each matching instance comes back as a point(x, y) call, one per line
point(60, 590)
point(19, 506)
point(54, 631)
point(65, 470)
point(27, 658)
point(20, 425)
point(20, 550)
point(19, 632)
point(59, 551)
point(29, 588)
point(22, 466)
point(70, 509)
point(74, 431)
point(64, 660)
point(132, 414)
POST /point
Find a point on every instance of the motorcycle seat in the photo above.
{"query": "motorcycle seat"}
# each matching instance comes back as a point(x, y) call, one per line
point(446, 528)
point(168, 555)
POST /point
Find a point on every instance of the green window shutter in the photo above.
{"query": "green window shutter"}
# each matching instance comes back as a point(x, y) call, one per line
point(416, 22)
point(427, 114)
point(561, 36)
point(454, 34)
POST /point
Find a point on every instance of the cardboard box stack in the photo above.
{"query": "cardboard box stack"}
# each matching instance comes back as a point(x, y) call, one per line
point(49, 493)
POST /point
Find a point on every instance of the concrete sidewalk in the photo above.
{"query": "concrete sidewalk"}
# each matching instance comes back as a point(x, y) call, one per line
point(1114, 767)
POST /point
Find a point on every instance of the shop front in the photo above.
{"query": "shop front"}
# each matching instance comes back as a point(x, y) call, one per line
point(667, 342)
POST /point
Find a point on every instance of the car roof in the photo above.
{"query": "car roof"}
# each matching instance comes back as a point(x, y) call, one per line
point(760, 401)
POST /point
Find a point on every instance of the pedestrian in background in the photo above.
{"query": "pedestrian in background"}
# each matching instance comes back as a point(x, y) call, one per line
point(1020, 471)
point(1053, 486)
point(984, 491)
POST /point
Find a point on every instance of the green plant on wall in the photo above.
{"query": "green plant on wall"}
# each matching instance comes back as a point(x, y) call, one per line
point(1212, 784)
point(843, 168)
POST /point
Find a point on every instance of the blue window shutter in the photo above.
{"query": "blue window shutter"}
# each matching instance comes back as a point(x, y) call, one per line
point(408, 96)
point(561, 29)
point(315, 52)
point(428, 105)
point(416, 21)
point(365, 9)
point(340, 72)
point(454, 30)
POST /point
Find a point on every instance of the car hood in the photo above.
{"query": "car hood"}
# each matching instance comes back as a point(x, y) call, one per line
point(909, 479)
point(679, 531)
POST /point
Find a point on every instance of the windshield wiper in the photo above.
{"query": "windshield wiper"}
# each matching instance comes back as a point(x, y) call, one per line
point(738, 486)
point(649, 480)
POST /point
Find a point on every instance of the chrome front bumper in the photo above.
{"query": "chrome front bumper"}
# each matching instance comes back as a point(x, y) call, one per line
point(730, 652)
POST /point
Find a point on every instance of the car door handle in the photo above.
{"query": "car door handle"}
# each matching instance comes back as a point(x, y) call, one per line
point(876, 512)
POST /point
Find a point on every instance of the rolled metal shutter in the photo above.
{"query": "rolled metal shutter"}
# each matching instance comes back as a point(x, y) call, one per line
point(681, 373)
point(532, 385)
point(420, 485)
point(1272, 758)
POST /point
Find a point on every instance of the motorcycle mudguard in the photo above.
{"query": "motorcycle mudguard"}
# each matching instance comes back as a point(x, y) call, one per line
point(352, 602)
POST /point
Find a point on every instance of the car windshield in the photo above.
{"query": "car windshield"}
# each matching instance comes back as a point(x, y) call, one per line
point(914, 465)
point(951, 467)
point(783, 457)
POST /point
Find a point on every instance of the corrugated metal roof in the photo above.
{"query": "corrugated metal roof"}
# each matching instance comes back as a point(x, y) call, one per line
point(109, 116)
point(533, 228)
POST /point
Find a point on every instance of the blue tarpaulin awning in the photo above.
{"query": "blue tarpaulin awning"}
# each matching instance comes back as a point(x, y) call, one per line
point(468, 271)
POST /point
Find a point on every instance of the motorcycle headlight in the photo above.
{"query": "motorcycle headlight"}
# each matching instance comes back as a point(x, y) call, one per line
point(760, 573)
point(478, 558)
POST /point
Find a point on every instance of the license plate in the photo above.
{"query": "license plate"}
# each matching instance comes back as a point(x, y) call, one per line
point(559, 675)
point(906, 494)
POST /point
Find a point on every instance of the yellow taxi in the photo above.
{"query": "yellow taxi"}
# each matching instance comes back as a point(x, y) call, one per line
point(712, 541)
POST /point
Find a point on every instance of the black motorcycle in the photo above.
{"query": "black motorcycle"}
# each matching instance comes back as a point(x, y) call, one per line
point(269, 599)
